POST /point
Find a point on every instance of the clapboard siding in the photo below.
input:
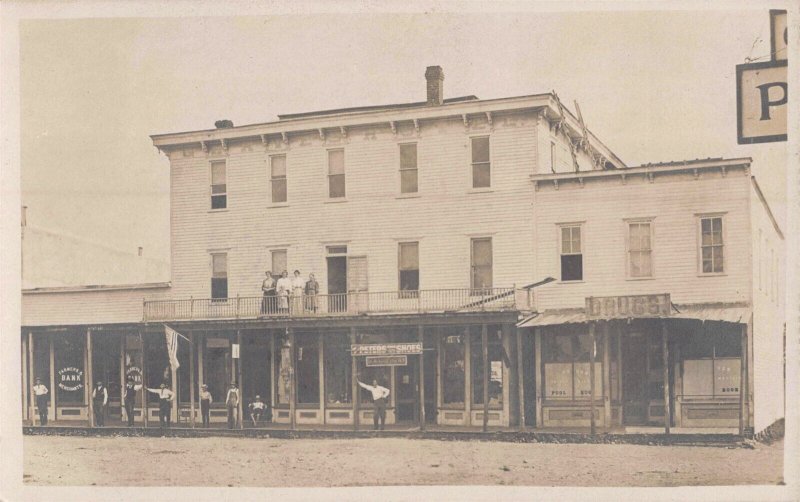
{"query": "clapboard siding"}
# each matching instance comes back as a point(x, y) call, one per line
point(443, 216)
point(101, 306)
point(673, 201)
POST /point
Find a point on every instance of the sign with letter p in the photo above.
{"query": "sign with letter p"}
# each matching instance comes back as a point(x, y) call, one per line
point(762, 102)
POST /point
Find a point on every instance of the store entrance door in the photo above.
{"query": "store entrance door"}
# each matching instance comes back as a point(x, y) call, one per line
point(634, 379)
point(407, 388)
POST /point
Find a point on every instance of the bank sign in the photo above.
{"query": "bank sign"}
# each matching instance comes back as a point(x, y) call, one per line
point(386, 349)
point(70, 378)
point(626, 307)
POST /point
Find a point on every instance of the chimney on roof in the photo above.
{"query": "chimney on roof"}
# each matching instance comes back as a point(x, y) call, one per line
point(141, 250)
point(24, 216)
point(223, 124)
point(435, 78)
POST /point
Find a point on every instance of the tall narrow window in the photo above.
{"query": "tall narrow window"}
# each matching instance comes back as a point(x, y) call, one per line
point(408, 273)
point(481, 168)
point(571, 253)
point(219, 276)
point(408, 168)
point(277, 173)
point(553, 156)
point(453, 366)
point(711, 247)
point(278, 262)
point(481, 264)
point(219, 191)
point(336, 179)
point(640, 259)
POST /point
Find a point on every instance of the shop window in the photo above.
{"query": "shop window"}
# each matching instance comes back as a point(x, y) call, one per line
point(712, 362)
point(219, 187)
point(106, 362)
point(336, 174)
point(495, 359)
point(277, 175)
point(307, 358)
point(567, 361)
point(283, 364)
point(338, 369)
point(481, 167)
point(183, 371)
point(219, 276)
point(711, 245)
point(70, 378)
point(158, 370)
point(571, 253)
point(481, 265)
point(640, 251)
point(408, 168)
point(453, 374)
point(408, 273)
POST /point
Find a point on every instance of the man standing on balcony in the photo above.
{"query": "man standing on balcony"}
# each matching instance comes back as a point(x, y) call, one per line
point(380, 397)
point(311, 290)
point(268, 288)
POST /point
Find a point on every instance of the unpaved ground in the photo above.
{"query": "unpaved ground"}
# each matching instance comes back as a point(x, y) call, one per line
point(54, 460)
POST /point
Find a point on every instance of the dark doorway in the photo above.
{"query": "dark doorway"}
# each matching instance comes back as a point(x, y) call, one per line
point(528, 377)
point(255, 368)
point(407, 388)
point(634, 379)
point(430, 386)
point(337, 284)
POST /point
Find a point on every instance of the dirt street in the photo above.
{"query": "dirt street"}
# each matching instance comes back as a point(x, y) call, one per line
point(51, 460)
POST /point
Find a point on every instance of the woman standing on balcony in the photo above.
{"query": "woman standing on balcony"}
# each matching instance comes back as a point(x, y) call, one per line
point(298, 287)
point(268, 288)
point(312, 290)
point(284, 288)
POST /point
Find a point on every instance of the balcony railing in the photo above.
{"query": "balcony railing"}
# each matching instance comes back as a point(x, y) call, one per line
point(343, 304)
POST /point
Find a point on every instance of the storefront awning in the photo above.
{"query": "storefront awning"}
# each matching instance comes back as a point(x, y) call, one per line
point(735, 313)
point(551, 317)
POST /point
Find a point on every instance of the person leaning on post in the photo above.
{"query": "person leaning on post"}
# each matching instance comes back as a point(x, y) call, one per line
point(40, 394)
point(99, 400)
point(232, 404)
point(165, 396)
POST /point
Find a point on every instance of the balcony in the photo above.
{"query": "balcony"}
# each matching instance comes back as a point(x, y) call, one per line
point(344, 304)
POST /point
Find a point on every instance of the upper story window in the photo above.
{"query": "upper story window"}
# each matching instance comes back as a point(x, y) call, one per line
point(408, 269)
point(278, 259)
point(219, 192)
point(336, 176)
point(277, 175)
point(408, 168)
point(571, 253)
point(640, 249)
point(219, 276)
point(553, 156)
point(481, 265)
point(711, 245)
point(481, 167)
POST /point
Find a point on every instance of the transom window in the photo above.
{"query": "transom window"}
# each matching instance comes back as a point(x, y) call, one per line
point(481, 167)
point(711, 245)
point(336, 175)
point(408, 168)
point(277, 173)
point(640, 250)
point(219, 190)
point(571, 253)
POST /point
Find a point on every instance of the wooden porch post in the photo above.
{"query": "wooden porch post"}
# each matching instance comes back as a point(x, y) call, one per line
point(292, 380)
point(354, 377)
point(52, 414)
point(606, 375)
point(24, 381)
point(485, 349)
point(240, 407)
point(421, 333)
point(537, 370)
point(31, 377)
point(665, 352)
point(592, 355)
point(191, 379)
point(89, 377)
point(743, 381)
point(520, 380)
point(144, 380)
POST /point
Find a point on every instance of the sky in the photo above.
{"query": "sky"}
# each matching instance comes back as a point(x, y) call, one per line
point(652, 85)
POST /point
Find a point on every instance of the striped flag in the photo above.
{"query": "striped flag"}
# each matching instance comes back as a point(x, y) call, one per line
point(172, 346)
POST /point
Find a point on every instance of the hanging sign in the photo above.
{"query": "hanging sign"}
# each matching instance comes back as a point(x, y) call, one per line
point(779, 35)
point(386, 349)
point(387, 361)
point(235, 351)
point(134, 373)
point(70, 378)
point(624, 307)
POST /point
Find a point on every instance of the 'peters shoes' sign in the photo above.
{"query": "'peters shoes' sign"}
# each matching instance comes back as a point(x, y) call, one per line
point(625, 307)
point(385, 349)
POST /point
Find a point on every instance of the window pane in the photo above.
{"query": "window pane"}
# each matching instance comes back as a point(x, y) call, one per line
point(572, 267)
point(307, 355)
point(278, 261)
point(219, 287)
point(408, 156)
point(481, 252)
point(70, 377)
point(336, 186)
point(278, 165)
point(716, 225)
point(218, 173)
point(454, 369)
point(481, 175)
point(338, 366)
point(480, 150)
point(409, 256)
point(409, 280)
point(476, 364)
point(284, 365)
point(576, 239)
point(219, 201)
point(218, 189)
point(336, 162)
point(698, 346)
point(727, 342)
point(219, 264)
point(706, 225)
point(408, 181)
point(279, 190)
point(717, 258)
point(558, 348)
point(566, 240)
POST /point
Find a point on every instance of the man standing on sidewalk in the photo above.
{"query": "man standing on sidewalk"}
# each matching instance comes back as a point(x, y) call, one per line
point(40, 394)
point(100, 400)
point(164, 404)
point(130, 399)
point(380, 396)
point(232, 403)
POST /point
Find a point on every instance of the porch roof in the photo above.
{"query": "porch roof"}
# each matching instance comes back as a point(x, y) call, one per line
point(723, 312)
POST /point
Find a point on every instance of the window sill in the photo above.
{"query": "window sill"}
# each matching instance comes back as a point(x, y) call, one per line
point(408, 196)
point(651, 278)
point(278, 204)
point(339, 406)
point(335, 201)
point(480, 190)
point(221, 210)
point(571, 282)
point(717, 274)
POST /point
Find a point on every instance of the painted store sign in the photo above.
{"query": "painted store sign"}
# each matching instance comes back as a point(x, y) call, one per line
point(625, 307)
point(70, 378)
point(386, 349)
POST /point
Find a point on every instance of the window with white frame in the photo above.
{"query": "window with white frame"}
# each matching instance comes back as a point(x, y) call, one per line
point(481, 167)
point(711, 245)
point(219, 190)
point(640, 249)
point(408, 168)
point(553, 156)
point(336, 174)
point(277, 176)
point(219, 276)
point(408, 269)
point(571, 253)
point(481, 265)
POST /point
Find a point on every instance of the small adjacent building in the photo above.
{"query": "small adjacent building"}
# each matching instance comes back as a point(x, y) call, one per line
point(473, 256)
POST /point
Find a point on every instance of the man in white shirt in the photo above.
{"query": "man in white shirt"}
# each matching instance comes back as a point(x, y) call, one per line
point(232, 403)
point(165, 396)
point(100, 400)
point(257, 408)
point(380, 397)
point(40, 395)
